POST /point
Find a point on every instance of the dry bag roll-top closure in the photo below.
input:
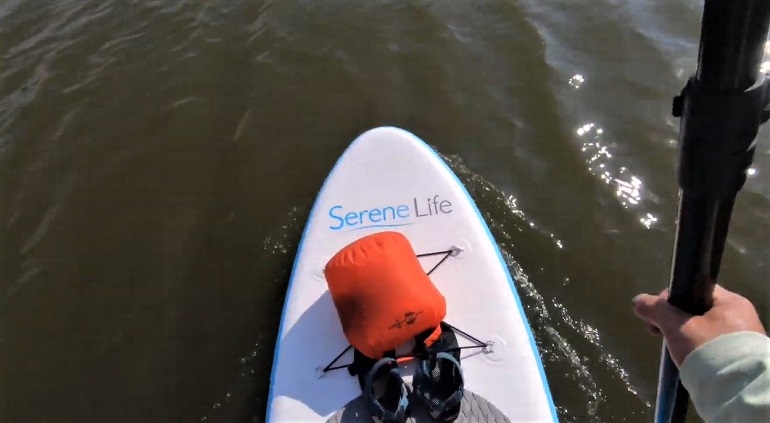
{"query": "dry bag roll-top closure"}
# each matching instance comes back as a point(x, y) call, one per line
point(382, 295)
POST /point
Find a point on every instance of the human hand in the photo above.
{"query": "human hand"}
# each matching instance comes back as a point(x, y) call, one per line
point(684, 332)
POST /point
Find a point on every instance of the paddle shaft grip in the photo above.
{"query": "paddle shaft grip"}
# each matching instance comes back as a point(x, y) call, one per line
point(721, 109)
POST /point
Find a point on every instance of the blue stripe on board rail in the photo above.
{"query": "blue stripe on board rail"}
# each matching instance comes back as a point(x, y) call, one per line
point(277, 350)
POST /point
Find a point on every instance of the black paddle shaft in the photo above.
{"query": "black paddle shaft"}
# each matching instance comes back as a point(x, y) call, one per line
point(721, 109)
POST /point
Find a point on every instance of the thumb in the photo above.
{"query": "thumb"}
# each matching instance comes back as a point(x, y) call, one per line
point(656, 310)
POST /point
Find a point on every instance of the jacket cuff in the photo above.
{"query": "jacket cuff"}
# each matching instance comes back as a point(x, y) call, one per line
point(717, 371)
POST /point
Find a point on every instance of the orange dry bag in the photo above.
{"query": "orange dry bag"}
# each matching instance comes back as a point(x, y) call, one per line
point(382, 295)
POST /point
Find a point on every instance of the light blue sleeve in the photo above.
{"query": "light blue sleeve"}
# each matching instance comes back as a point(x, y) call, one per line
point(728, 378)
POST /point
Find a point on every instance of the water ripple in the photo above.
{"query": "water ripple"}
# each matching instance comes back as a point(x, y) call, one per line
point(627, 187)
point(555, 329)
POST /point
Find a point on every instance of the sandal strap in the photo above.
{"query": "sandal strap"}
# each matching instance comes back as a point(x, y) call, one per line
point(439, 409)
point(378, 413)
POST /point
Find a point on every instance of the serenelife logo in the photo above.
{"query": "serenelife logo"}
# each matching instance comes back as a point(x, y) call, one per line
point(387, 216)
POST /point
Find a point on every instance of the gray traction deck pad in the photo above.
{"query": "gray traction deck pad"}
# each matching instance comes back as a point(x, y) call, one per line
point(473, 408)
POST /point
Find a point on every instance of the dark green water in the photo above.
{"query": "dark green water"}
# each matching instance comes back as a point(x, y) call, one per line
point(158, 160)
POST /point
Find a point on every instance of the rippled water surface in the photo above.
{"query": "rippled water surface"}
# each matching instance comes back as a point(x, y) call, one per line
point(158, 160)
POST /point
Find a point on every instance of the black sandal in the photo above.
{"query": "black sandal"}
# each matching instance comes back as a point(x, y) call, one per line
point(386, 393)
point(438, 382)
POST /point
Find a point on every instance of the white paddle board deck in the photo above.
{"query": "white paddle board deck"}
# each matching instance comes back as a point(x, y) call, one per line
point(388, 179)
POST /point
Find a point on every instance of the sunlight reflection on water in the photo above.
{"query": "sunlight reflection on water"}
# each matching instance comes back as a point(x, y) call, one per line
point(628, 187)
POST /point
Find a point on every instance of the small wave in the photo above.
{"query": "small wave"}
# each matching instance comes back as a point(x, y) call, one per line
point(282, 240)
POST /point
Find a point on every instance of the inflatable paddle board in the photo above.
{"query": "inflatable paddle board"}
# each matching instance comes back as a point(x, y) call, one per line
point(388, 179)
